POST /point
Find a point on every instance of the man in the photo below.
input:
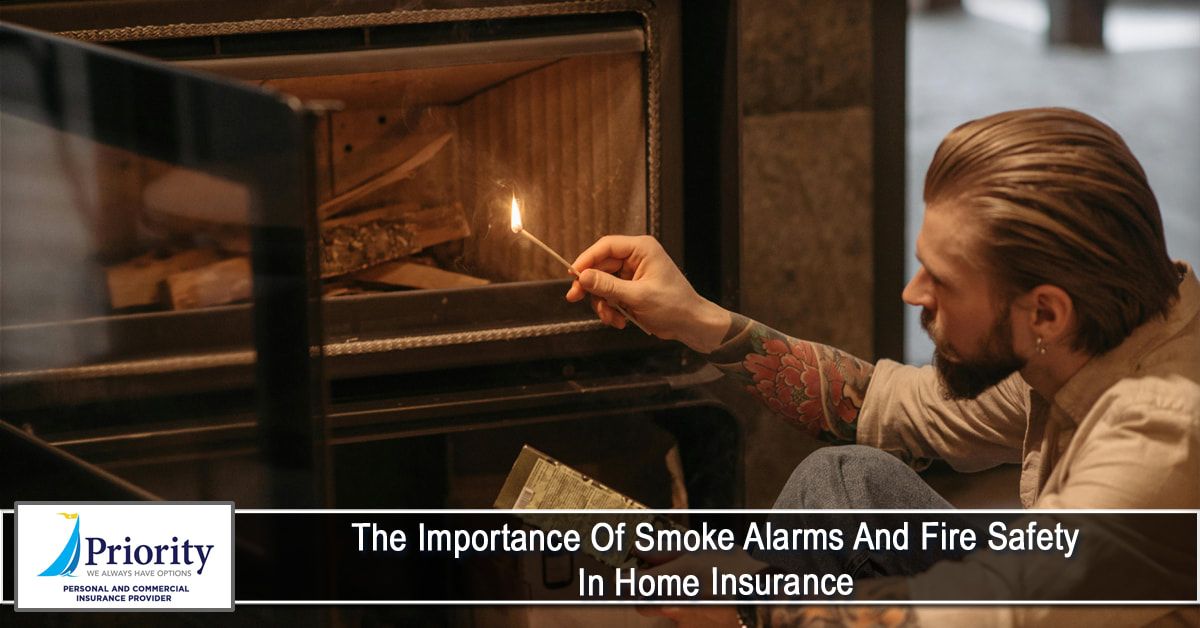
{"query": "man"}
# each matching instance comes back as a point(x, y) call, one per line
point(1066, 340)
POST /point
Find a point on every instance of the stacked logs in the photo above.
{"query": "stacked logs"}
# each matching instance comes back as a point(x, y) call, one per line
point(365, 245)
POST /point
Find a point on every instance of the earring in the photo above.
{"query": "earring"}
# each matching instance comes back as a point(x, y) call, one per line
point(1040, 347)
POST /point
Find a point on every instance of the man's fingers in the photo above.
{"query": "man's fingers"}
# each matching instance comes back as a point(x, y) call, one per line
point(596, 266)
point(618, 319)
point(605, 285)
point(602, 310)
point(610, 265)
point(614, 247)
point(607, 314)
point(576, 292)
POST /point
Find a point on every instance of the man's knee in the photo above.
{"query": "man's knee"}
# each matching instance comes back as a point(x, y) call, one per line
point(819, 480)
point(857, 460)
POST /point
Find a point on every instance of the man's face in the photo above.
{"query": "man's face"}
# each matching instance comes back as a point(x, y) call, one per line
point(970, 328)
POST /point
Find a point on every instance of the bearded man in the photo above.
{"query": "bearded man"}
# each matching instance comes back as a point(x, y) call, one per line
point(1066, 340)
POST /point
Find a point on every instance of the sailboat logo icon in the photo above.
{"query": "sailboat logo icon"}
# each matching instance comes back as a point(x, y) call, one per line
point(68, 558)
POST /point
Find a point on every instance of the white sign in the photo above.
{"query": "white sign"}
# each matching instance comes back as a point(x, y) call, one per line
point(124, 556)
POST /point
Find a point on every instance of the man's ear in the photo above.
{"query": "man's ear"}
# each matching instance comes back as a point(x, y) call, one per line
point(1051, 313)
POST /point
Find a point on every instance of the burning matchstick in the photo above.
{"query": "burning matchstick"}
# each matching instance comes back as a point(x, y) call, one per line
point(519, 228)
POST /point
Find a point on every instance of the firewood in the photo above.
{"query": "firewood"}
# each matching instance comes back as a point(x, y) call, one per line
point(423, 148)
point(183, 193)
point(390, 212)
point(216, 284)
point(348, 244)
point(415, 275)
point(363, 240)
point(435, 225)
point(137, 282)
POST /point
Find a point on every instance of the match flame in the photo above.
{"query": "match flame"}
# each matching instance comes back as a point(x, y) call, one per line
point(516, 225)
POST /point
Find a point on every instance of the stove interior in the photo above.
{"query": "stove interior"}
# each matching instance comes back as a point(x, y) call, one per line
point(416, 173)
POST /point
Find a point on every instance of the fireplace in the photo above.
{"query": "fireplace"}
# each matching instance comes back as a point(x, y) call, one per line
point(418, 151)
point(267, 257)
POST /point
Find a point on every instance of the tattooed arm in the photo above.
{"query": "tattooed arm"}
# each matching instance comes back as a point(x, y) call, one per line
point(818, 388)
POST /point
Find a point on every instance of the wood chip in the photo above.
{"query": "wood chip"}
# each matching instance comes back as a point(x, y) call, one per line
point(224, 282)
point(356, 242)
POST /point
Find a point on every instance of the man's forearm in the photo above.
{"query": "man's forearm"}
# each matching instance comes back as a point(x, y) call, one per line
point(818, 387)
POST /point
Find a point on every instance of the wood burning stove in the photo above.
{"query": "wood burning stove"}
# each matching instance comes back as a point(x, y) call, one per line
point(263, 254)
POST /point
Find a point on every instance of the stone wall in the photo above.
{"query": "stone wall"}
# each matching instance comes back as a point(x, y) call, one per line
point(806, 264)
point(808, 196)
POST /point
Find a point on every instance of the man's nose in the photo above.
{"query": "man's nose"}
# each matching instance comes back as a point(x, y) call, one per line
point(917, 291)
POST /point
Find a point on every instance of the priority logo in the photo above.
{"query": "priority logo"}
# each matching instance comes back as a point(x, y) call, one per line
point(104, 552)
point(127, 556)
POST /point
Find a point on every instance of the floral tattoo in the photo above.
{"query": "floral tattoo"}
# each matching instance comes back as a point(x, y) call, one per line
point(818, 388)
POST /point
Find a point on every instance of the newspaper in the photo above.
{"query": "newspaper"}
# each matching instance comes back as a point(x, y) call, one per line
point(540, 482)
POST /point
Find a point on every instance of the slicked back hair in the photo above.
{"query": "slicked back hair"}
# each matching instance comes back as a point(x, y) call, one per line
point(1061, 200)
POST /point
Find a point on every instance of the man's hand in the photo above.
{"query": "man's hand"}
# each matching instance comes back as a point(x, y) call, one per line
point(635, 272)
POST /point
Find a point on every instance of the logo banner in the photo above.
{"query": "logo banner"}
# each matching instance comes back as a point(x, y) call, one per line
point(78, 557)
point(161, 556)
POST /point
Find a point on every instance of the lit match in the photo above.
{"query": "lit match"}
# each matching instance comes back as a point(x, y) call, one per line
point(518, 227)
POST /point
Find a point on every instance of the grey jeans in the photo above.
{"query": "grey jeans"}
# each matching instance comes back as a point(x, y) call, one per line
point(852, 477)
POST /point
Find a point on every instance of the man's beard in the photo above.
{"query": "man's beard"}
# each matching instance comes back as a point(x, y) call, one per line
point(966, 379)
